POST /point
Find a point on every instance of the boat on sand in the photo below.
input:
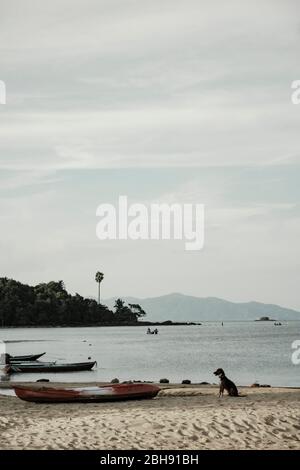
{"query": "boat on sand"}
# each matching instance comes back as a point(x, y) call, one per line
point(111, 392)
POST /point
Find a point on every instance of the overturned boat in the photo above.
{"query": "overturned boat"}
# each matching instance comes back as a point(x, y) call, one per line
point(102, 393)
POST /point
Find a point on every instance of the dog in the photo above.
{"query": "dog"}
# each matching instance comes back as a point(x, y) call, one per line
point(226, 384)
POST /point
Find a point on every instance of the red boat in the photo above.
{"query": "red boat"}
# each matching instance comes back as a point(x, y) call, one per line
point(101, 393)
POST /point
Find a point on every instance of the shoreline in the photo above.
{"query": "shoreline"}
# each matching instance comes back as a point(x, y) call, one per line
point(117, 325)
point(164, 323)
point(163, 386)
point(9, 385)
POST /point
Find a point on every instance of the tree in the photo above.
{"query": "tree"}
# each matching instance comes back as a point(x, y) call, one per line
point(119, 305)
point(123, 314)
point(130, 314)
point(99, 278)
point(48, 304)
point(137, 310)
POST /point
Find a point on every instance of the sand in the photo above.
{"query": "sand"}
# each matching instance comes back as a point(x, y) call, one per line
point(179, 418)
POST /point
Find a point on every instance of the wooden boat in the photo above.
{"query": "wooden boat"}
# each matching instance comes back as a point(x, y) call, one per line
point(110, 392)
point(33, 364)
point(22, 367)
point(31, 357)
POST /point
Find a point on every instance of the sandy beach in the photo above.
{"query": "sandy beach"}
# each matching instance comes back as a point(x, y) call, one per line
point(191, 417)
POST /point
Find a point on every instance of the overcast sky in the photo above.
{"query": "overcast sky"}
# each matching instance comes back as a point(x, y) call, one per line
point(171, 101)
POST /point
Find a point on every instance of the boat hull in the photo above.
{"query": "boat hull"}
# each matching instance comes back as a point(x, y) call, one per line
point(32, 357)
point(49, 368)
point(104, 393)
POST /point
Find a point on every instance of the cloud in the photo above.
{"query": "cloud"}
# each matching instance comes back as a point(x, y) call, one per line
point(130, 97)
point(147, 84)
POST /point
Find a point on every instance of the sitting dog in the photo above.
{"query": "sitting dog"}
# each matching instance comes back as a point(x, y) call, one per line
point(226, 384)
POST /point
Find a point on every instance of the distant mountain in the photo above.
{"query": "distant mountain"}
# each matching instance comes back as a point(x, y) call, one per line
point(179, 307)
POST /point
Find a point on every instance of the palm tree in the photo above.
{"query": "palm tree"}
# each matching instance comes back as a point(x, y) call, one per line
point(99, 278)
point(119, 305)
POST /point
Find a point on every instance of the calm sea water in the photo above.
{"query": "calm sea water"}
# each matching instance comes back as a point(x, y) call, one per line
point(247, 351)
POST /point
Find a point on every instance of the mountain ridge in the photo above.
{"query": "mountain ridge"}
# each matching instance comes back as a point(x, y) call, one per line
point(180, 307)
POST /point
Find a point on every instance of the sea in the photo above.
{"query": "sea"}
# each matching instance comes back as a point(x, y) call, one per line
point(249, 352)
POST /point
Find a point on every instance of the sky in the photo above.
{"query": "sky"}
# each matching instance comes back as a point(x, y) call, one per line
point(172, 101)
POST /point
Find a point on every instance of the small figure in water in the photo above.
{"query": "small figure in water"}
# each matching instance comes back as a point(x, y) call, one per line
point(154, 332)
point(222, 324)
